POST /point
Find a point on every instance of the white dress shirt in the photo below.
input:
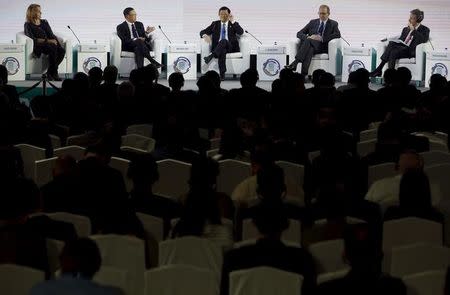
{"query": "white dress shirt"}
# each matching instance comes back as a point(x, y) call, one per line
point(131, 31)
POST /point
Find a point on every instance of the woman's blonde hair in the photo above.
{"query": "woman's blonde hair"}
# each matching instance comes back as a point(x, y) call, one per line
point(30, 12)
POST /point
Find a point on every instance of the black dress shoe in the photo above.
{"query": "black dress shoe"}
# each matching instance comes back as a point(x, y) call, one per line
point(208, 58)
point(375, 74)
point(292, 66)
point(54, 77)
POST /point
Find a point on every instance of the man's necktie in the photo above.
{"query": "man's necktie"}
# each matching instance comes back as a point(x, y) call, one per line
point(135, 33)
point(222, 33)
point(320, 31)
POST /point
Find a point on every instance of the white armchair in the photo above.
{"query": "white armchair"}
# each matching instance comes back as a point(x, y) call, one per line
point(124, 60)
point(236, 62)
point(330, 61)
point(416, 64)
point(39, 66)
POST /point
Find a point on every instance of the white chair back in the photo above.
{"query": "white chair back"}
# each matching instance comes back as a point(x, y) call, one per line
point(329, 276)
point(30, 154)
point(195, 251)
point(380, 171)
point(122, 165)
point(328, 256)
point(265, 280)
point(126, 253)
point(173, 178)
point(75, 151)
point(140, 142)
point(56, 141)
point(179, 280)
point(294, 175)
point(231, 173)
point(415, 258)
point(366, 147)
point(43, 173)
point(410, 230)
point(141, 129)
point(18, 280)
point(369, 134)
point(432, 158)
point(54, 250)
point(425, 283)
point(82, 224)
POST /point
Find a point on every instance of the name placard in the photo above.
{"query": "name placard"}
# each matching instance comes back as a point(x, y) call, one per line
point(271, 49)
point(182, 48)
point(92, 48)
point(357, 51)
point(11, 48)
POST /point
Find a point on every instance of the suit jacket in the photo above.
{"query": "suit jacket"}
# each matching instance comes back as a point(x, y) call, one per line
point(331, 31)
point(270, 253)
point(233, 31)
point(44, 31)
point(421, 35)
point(124, 34)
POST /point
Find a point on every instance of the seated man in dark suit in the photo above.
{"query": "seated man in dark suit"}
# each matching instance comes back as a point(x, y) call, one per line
point(223, 35)
point(364, 254)
point(135, 38)
point(270, 220)
point(412, 35)
point(314, 39)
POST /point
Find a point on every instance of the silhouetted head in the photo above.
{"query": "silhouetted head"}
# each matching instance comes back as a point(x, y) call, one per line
point(404, 76)
point(249, 78)
point(176, 81)
point(110, 74)
point(143, 170)
point(270, 182)
point(95, 76)
point(415, 190)
point(80, 258)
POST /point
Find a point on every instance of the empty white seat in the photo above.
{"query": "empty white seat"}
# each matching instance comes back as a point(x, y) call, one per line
point(425, 283)
point(18, 280)
point(30, 154)
point(179, 280)
point(141, 129)
point(438, 177)
point(231, 173)
point(82, 224)
point(292, 234)
point(410, 259)
point(328, 256)
point(79, 140)
point(126, 253)
point(122, 165)
point(195, 251)
point(173, 178)
point(264, 280)
point(43, 172)
point(75, 151)
point(410, 230)
point(438, 146)
point(380, 171)
point(137, 141)
point(115, 277)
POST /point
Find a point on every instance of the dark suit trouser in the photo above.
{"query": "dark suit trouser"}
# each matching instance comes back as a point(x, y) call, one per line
point(393, 52)
point(305, 51)
point(220, 52)
point(55, 56)
point(141, 49)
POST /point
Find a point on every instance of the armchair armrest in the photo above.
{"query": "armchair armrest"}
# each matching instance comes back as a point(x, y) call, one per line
point(21, 38)
point(205, 48)
point(158, 49)
point(245, 46)
point(292, 47)
point(116, 49)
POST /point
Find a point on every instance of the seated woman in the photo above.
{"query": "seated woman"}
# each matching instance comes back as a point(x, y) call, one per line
point(45, 42)
point(414, 199)
point(201, 213)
